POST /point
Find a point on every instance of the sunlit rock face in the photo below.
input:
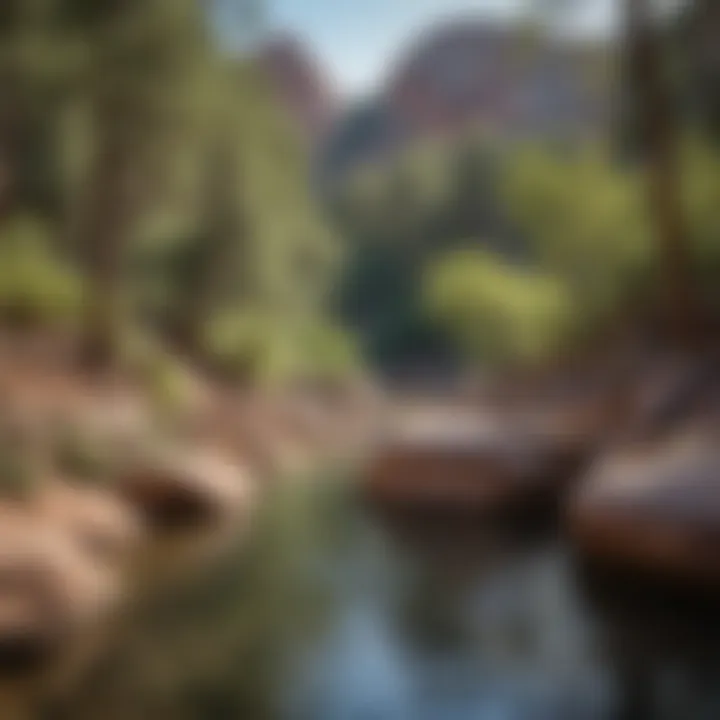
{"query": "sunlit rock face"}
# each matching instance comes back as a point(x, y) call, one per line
point(177, 488)
point(656, 508)
point(651, 500)
point(50, 594)
point(100, 524)
point(468, 75)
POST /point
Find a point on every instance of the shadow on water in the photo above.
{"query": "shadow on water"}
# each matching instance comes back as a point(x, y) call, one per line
point(338, 612)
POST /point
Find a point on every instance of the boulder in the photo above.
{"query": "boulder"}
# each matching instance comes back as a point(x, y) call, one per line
point(468, 461)
point(102, 525)
point(50, 593)
point(180, 488)
point(654, 506)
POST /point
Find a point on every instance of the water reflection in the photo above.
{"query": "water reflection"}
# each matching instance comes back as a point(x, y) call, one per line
point(492, 633)
point(333, 613)
point(462, 623)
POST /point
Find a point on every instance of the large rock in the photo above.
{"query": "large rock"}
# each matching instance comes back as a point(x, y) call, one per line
point(467, 461)
point(181, 488)
point(655, 507)
point(99, 523)
point(50, 593)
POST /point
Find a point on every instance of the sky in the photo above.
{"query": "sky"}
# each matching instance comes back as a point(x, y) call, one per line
point(356, 40)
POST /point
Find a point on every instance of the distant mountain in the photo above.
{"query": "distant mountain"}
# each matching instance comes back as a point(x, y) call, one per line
point(501, 79)
point(301, 87)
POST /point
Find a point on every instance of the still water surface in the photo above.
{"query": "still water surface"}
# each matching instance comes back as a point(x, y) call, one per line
point(451, 621)
point(334, 613)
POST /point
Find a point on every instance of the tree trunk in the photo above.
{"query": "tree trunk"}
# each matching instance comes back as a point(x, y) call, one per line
point(659, 137)
point(104, 234)
point(11, 144)
point(215, 266)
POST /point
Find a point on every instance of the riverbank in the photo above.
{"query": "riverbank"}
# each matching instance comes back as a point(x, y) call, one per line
point(138, 506)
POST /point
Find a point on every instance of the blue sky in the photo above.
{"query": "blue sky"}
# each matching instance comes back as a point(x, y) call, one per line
point(357, 39)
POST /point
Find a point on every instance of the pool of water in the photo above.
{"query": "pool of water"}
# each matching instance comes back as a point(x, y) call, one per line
point(337, 613)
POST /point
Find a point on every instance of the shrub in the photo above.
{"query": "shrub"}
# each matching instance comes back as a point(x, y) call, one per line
point(328, 352)
point(167, 382)
point(585, 220)
point(19, 471)
point(251, 346)
point(36, 287)
point(496, 312)
point(18, 478)
point(257, 348)
point(82, 456)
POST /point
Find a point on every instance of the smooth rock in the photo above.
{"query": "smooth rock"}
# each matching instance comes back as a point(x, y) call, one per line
point(655, 507)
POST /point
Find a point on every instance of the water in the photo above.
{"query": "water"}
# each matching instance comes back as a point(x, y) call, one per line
point(448, 622)
point(334, 613)
point(444, 632)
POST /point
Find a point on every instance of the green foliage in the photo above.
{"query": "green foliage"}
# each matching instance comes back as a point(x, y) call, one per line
point(329, 353)
point(589, 239)
point(257, 347)
point(397, 220)
point(242, 238)
point(18, 478)
point(584, 219)
point(19, 466)
point(221, 645)
point(497, 312)
point(701, 194)
point(288, 253)
point(249, 347)
point(576, 217)
point(36, 287)
point(169, 385)
point(82, 455)
point(162, 166)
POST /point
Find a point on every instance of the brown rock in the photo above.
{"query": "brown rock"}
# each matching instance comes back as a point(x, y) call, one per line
point(655, 507)
point(102, 525)
point(50, 593)
point(466, 461)
point(175, 488)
